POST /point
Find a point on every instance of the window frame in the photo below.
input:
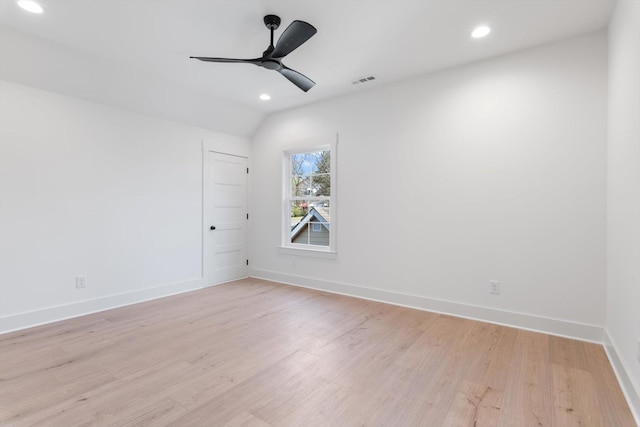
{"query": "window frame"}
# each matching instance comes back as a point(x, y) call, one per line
point(286, 246)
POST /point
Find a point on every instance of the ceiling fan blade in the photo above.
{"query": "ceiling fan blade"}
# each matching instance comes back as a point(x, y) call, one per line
point(300, 80)
point(296, 34)
point(246, 61)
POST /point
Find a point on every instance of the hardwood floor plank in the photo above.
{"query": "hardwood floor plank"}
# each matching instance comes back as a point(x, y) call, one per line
point(254, 392)
point(290, 396)
point(494, 356)
point(575, 398)
point(432, 345)
point(259, 369)
point(156, 414)
point(57, 412)
point(615, 410)
point(259, 353)
point(17, 362)
point(529, 391)
point(475, 405)
point(245, 419)
point(30, 392)
point(320, 408)
point(125, 397)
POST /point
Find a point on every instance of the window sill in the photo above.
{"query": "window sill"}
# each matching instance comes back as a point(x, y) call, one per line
point(314, 253)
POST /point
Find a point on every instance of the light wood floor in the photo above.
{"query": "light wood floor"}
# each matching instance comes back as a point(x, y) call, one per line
point(256, 353)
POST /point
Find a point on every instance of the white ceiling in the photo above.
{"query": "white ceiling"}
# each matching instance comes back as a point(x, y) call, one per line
point(135, 53)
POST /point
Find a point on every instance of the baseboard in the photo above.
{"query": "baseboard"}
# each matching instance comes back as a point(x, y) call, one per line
point(564, 328)
point(53, 314)
point(629, 387)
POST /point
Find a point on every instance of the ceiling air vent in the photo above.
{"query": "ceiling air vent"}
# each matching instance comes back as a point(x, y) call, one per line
point(361, 80)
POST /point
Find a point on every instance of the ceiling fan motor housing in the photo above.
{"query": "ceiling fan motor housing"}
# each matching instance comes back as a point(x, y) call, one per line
point(272, 22)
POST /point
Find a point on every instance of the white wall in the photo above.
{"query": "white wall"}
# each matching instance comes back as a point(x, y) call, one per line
point(490, 171)
point(87, 189)
point(623, 196)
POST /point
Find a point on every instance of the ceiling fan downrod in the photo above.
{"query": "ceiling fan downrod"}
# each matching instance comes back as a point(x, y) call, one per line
point(272, 22)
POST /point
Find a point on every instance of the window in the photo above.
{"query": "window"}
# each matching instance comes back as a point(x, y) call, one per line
point(309, 200)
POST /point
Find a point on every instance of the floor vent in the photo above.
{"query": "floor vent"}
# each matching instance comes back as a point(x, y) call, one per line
point(361, 80)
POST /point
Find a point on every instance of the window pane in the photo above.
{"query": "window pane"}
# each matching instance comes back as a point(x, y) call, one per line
point(322, 162)
point(299, 184)
point(320, 185)
point(310, 222)
point(310, 174)
point(297, 211)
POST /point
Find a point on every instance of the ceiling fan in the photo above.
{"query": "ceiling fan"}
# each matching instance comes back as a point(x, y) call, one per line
point(295, 35)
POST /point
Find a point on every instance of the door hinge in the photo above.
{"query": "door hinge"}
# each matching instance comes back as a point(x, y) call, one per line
point(247, 170)
point(247, 216)
point(247, 262)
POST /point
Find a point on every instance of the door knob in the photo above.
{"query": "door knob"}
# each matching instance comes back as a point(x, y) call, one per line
point(213, 227)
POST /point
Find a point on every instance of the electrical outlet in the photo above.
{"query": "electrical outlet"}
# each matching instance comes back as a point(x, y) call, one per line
point(81, 282)
point(494, 287)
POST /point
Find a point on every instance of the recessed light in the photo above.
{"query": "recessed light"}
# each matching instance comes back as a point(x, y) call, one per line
point(480, 32)
point(265, 97)
point(30, 6)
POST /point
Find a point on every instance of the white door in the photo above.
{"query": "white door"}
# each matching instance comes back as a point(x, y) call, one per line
point(225, 218)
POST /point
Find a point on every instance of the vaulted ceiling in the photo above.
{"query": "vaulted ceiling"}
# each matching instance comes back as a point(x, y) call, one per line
point(134, 54)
